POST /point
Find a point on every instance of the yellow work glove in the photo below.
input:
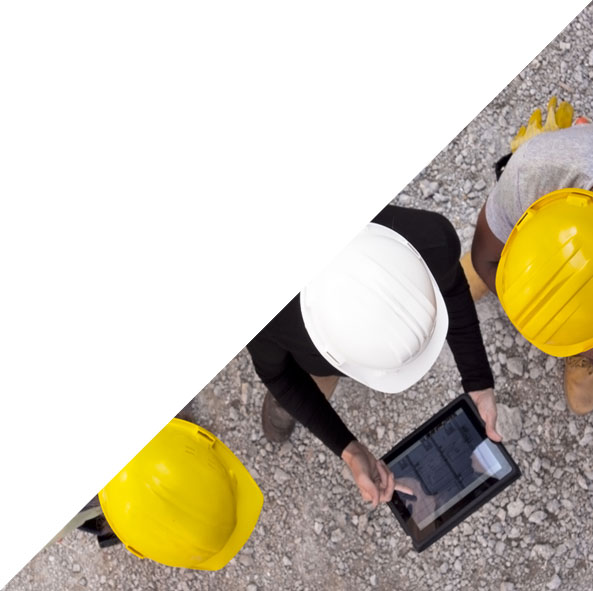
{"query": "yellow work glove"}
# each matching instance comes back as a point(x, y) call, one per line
point(557, 118)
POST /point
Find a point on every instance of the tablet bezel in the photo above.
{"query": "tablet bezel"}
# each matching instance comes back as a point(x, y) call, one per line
point(422, 539)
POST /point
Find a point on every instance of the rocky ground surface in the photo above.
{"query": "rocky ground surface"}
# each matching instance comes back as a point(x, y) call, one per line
point(314, 531)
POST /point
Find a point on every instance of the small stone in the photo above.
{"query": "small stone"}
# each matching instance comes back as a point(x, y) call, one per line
point(499, 548)
point(439, 198)
point(508, 422)
point(467, 186)
point(555, 582)
point(544, 550)
point(480, 185)
point(82, 582)
point(76, 568)
point(467, 529)
point(427, 188)
point(245, 559)
point(251, 587)
point(373, 580)
point(538, 517)
point(586, 440)
point(550, 363)
point(317, 527)
point(286, 561)
point(337, 535)
point(507, 586)
point(528, 510)
point(515, 365)
point(553, 507)
point(515, 508)
point(280, 476)
point(525, 444)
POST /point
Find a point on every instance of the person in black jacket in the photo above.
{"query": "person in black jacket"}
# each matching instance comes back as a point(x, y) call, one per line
point(379, 314)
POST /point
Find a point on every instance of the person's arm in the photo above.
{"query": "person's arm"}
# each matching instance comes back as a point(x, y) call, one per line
point(464, 335)
point(465, 339)
point(296, 391)
point(486, 249)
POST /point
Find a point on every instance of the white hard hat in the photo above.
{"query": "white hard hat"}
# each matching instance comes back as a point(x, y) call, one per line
point(376, 313)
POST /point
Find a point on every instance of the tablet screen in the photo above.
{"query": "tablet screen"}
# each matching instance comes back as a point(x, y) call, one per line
point(450, 464)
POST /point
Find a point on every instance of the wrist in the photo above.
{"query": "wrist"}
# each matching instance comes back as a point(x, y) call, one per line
point(350, 450)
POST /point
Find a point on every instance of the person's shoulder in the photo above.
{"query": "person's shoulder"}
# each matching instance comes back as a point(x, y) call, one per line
point(422, 228)
point(397, 218)
point(558, 145)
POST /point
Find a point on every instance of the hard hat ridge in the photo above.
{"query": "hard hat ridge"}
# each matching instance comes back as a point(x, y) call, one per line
point(376, 313)
point(185, 500)
point(545, 274)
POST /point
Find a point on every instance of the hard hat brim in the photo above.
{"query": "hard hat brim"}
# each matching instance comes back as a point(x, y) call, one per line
point(249, 502)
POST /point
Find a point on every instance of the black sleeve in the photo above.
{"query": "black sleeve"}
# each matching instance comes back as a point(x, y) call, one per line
point(464, 336)
point(436, 240)
point(296, 391)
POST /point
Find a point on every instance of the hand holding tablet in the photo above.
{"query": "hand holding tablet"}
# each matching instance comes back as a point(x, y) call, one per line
point(452, 468)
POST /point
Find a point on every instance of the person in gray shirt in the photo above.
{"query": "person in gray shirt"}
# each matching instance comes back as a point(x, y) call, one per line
point(548, 162)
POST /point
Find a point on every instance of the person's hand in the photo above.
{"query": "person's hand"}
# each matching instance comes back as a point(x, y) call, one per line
point(486, 405)
point(374, 479)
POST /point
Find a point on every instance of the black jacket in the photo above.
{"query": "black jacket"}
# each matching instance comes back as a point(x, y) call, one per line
point(284, 355)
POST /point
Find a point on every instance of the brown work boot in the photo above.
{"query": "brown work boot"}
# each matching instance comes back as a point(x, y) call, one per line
point(277, 424)
point(477, 287)
point(578, 384)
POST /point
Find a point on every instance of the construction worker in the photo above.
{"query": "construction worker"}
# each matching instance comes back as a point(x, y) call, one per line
point(533, 244)
point(379, 314)
point(184, 500)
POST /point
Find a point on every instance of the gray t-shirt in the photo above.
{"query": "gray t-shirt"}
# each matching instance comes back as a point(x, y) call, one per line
point(550, 161)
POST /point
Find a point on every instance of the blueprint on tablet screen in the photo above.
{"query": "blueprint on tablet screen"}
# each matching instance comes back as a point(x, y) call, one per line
point(445, 465)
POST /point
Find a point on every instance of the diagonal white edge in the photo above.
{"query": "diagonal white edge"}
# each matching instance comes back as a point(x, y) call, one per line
point(172, 174)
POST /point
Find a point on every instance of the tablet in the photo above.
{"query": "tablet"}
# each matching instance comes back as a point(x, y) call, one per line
point(453, 469)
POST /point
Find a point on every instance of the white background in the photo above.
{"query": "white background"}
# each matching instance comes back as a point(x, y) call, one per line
point(172, 173)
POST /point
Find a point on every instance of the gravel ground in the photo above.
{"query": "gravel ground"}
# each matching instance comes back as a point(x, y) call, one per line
point(314, 531)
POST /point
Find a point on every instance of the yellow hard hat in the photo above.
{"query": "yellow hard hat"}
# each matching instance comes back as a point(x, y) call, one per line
point(185, 500)
point(545, 274)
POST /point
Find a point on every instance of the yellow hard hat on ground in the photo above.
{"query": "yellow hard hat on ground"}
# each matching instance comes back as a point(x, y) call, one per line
point(185, 500)
point(545, 274)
